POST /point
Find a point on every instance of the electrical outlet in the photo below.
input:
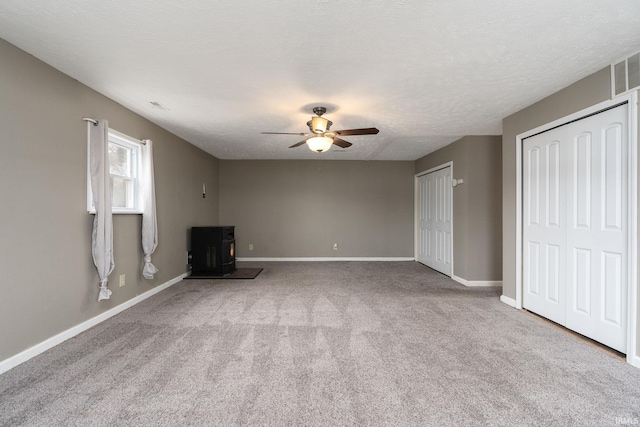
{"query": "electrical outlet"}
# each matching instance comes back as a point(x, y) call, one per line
point(121, 280)
point(250, 246)
point(335, 246)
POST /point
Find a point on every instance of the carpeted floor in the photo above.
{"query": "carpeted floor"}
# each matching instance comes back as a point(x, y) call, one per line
point(323, 344)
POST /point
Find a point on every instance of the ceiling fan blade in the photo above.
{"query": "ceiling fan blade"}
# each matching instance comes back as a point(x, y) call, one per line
point(365, 131)
point(285, 133)
point(341, 142)
point(298, 144)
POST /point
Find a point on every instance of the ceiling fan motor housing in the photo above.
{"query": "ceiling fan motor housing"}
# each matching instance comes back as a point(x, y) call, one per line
point(319, 110)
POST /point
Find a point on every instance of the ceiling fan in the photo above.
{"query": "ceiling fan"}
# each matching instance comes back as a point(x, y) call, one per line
point(321, 138)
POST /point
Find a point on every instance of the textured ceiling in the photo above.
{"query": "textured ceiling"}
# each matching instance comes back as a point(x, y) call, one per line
point(424, 72)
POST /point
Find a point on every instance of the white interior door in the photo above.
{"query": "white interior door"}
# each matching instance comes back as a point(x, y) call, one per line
point(575, 226)
point(597, 230)
point(425, 222)
point(544, 224)
point(434, 220)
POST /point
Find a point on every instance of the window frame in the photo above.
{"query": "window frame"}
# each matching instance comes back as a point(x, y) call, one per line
point(119, 138)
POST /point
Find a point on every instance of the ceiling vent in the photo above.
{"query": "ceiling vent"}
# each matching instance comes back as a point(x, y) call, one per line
point(625, 75)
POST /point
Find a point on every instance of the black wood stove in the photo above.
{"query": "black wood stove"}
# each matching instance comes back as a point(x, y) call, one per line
point(213, 251)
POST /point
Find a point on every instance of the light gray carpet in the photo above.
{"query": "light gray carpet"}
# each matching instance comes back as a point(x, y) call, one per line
point(322, 344)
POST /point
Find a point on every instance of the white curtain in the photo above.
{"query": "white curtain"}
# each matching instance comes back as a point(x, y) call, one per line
point(149, 222)
point(102, 236)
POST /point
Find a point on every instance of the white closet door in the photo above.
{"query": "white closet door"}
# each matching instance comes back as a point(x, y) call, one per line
point(597, 229)
point(575, 226)
point(425, 220)
point(544, 224)
point(434, 220)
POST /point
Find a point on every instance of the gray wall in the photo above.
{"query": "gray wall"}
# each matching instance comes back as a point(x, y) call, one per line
point(583, 94)
point(477, 222)
point(48, 282)
point(300, 208)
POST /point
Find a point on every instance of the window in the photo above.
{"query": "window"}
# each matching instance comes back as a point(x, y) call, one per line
point(124, 165)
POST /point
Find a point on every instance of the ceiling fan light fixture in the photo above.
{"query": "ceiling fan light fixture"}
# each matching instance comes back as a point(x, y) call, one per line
point(319, 144)
point(319, 125)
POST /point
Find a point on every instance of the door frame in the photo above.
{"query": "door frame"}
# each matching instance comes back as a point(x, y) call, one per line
point(416, 212)
point(633, 356)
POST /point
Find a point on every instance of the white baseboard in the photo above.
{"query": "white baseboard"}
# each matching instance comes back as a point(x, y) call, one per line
point(509, 301)
point(324, 259)
point(633, 360)
point(477, 282)
point(45, 345)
